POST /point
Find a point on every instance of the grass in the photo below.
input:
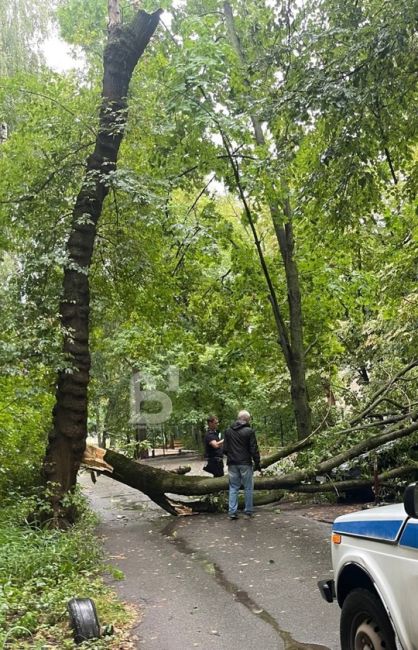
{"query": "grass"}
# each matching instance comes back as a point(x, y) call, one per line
point(40, 570)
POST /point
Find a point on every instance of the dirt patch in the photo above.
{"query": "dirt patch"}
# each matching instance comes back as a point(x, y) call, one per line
point(325, 512)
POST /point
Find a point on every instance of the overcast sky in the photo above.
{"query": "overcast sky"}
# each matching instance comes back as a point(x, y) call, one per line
point(58, 54)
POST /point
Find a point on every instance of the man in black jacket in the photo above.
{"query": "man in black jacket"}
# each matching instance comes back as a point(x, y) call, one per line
point(241, 449)
point(213, 448)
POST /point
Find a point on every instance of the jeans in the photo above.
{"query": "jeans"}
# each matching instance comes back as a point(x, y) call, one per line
point(240, 475)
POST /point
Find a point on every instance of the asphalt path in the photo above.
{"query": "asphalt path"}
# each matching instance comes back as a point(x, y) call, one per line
point(207, 582)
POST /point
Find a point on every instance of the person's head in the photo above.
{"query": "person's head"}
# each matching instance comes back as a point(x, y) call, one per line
point(244, 416)
point(212, 421)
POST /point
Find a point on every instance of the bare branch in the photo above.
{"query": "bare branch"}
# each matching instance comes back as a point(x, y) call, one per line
point(286, 451)
point(377, 397)
point(371, 443)
point(341, 486)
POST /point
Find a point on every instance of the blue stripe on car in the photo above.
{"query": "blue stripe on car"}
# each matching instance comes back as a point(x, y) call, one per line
point(410, 536)
point(386, 530)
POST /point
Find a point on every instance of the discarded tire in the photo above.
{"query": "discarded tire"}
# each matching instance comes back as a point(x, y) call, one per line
point(83, 619)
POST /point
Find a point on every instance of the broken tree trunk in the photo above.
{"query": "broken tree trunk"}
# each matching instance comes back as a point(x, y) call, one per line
point(67, 439)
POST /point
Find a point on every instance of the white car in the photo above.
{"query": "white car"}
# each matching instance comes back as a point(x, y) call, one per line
point(375, 562)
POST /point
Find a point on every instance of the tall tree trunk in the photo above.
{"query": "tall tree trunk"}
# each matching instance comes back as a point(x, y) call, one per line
point(67, 439)
point(281, 215)
point(141, 435)
point(296, 363)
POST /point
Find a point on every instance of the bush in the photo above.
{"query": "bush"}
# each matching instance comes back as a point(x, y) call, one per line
point(25, 407)
point(40, 570)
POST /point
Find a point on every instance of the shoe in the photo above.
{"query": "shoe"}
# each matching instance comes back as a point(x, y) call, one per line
point(233, 516)
point(249, 515)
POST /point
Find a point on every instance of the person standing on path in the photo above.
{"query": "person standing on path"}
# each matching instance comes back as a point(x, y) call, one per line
point(241, 449)
point(213, 448)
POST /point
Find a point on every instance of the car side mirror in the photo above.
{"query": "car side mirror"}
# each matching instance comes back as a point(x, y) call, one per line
point(410, 500)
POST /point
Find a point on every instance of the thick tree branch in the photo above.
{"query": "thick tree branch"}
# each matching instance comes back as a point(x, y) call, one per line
point(342, 486)
point(368, 445)
point(284, 452)
point(376, 399)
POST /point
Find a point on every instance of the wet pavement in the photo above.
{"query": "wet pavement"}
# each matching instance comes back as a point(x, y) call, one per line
point(207, 582)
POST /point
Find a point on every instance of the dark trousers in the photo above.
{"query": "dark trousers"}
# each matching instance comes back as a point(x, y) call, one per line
point(215, 466)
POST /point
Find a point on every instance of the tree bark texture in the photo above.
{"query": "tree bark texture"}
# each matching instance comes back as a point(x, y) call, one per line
point(291, 342)
point(67, 439)
point(296, 364)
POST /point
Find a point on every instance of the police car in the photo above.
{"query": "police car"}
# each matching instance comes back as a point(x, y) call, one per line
point(375, 562)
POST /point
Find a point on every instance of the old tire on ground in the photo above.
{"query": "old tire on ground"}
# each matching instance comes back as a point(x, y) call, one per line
point(364, 623)
point(83, 619)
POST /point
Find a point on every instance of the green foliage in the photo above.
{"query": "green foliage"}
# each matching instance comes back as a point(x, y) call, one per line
point(40, 171)
point(40, 570)
point(84, 23)
point(25, 408)
point(41, 167)
point(23, 26)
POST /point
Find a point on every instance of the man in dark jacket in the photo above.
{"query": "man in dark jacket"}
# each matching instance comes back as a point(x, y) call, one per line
point(241, 449)
point(213, 448)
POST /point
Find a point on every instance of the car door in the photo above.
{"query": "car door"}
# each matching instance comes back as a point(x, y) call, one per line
point(407, 561)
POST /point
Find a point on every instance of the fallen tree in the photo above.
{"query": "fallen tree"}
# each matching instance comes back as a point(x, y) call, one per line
point(165, 488)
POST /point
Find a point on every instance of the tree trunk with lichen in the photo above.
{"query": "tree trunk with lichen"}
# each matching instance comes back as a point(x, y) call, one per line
point(67, 438)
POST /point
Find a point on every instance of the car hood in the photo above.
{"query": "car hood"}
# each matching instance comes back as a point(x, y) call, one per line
point(384, 523)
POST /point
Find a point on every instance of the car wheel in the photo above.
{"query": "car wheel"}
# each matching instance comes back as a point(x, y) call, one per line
point(83, 619)
point(364, 623)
